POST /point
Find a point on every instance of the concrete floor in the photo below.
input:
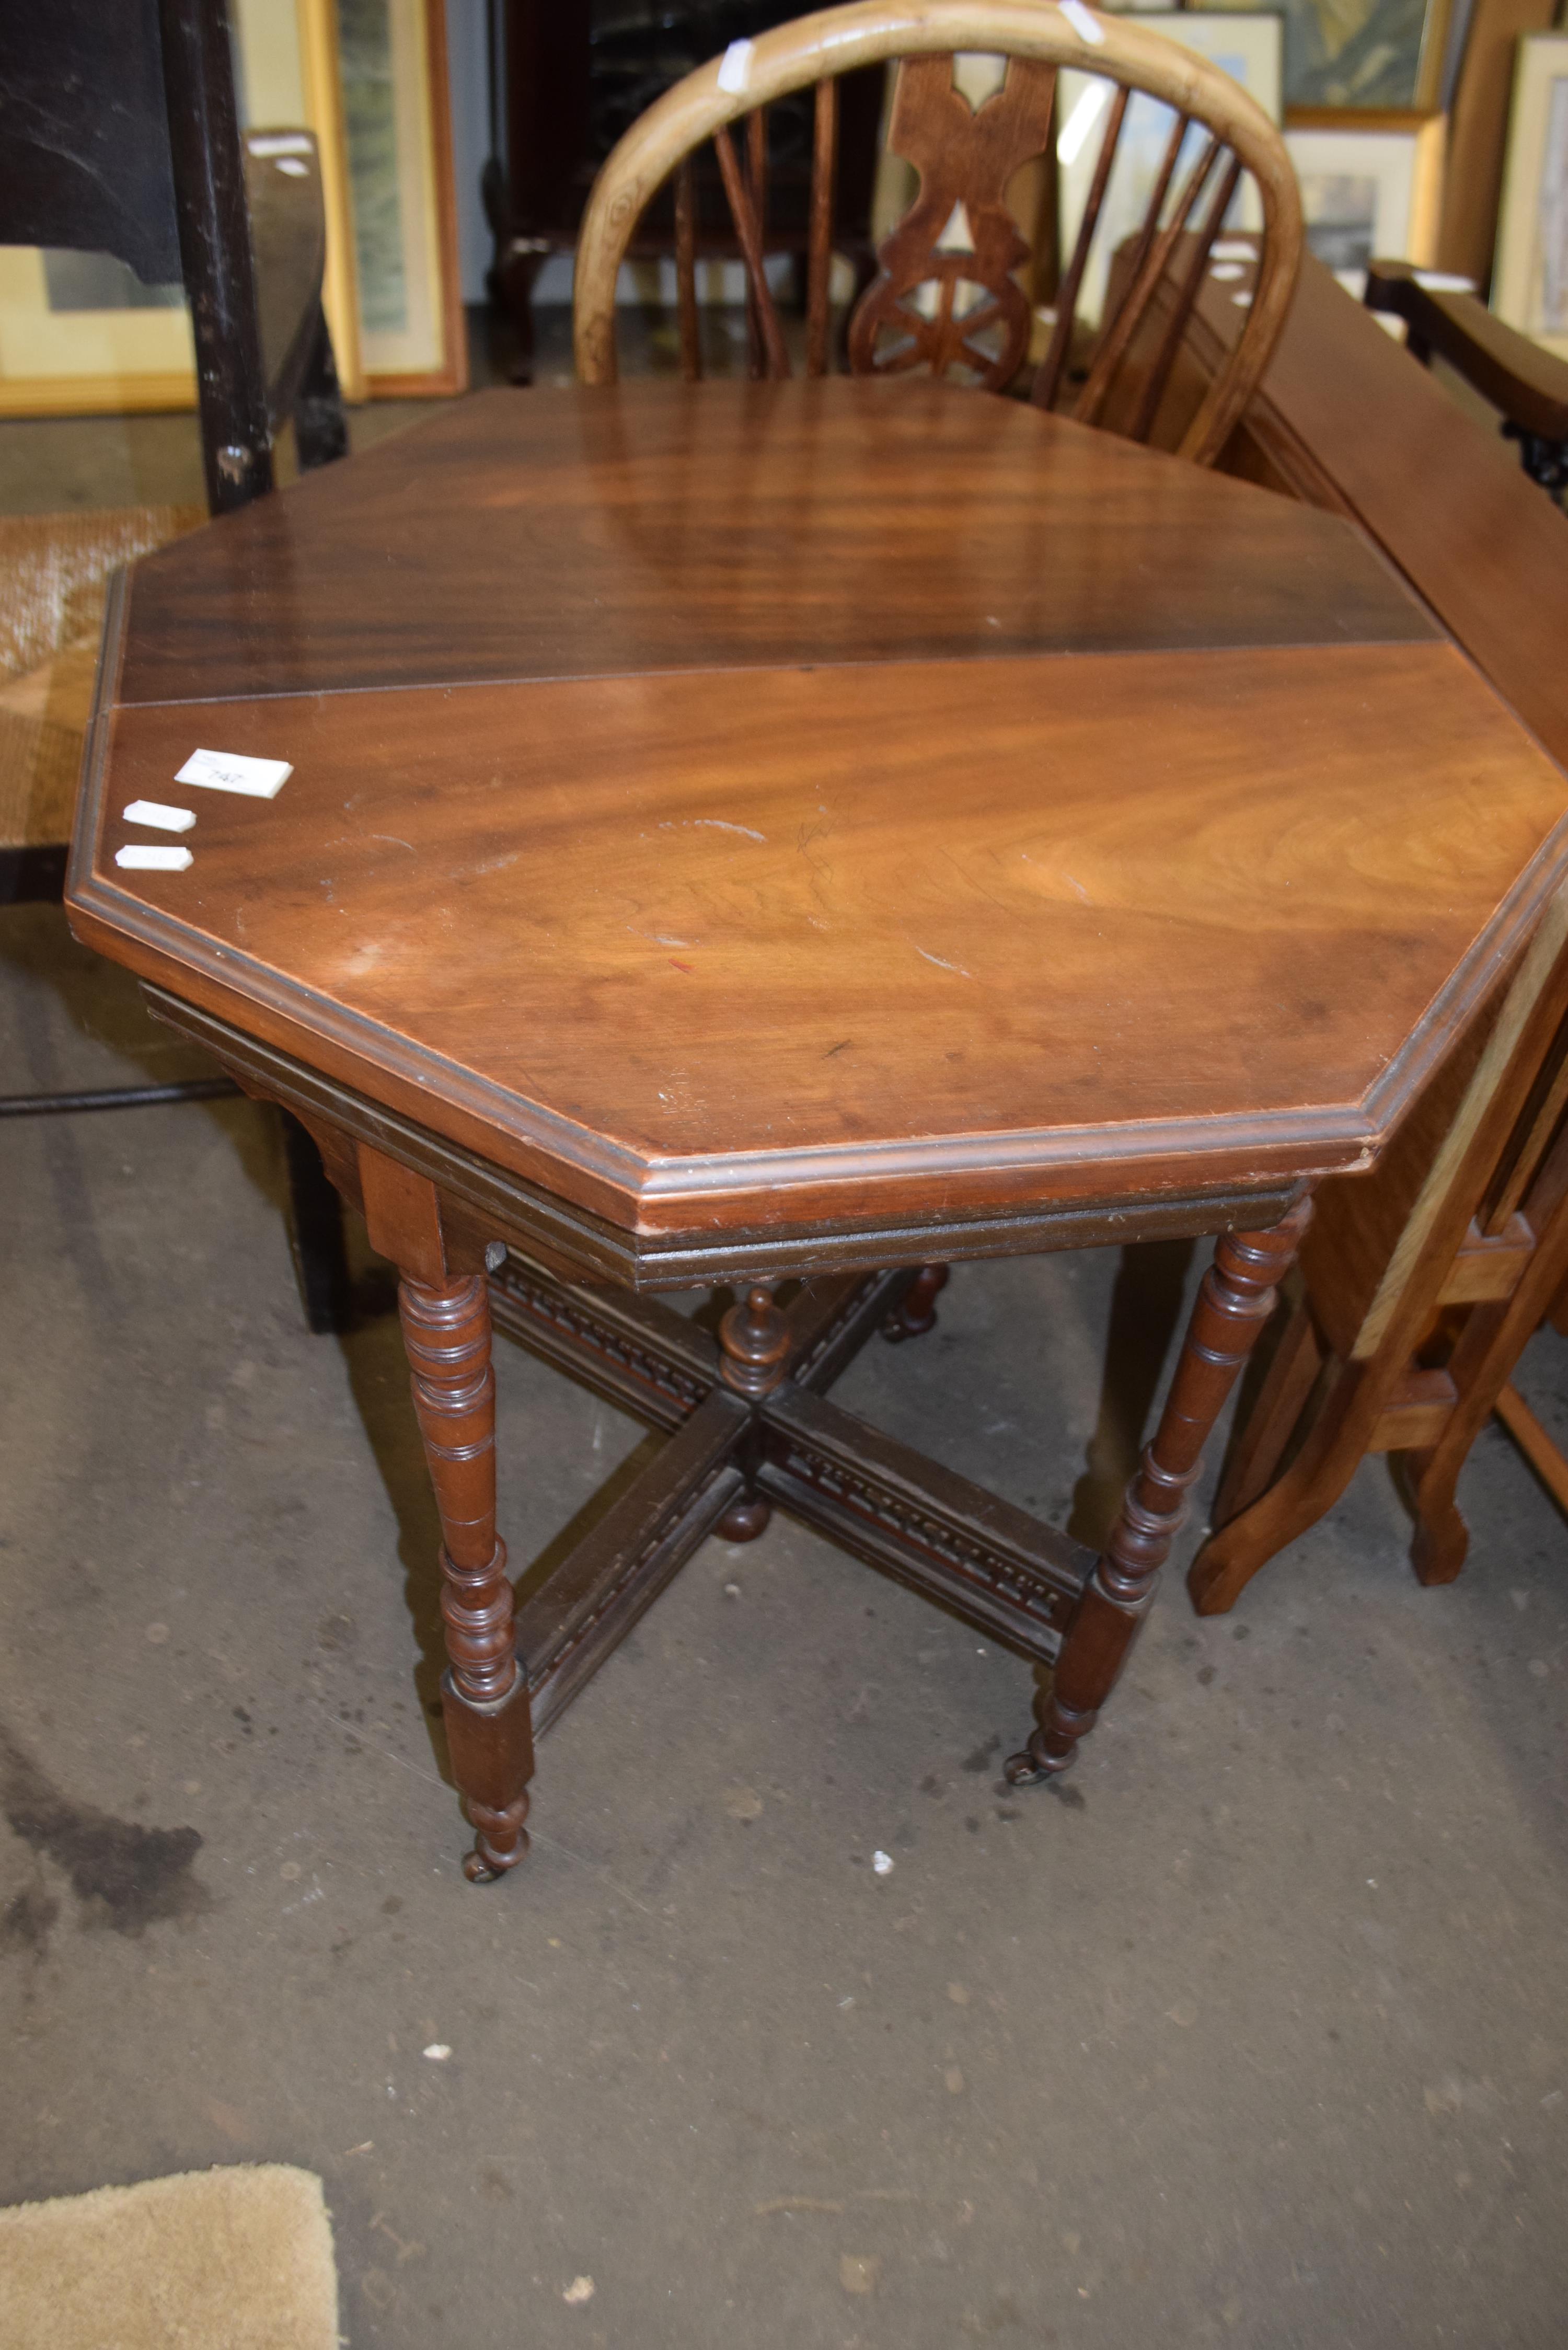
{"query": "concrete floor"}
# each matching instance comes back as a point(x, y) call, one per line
point(1253, 2033)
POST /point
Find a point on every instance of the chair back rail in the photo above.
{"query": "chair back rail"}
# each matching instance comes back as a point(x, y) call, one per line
point(957, 243)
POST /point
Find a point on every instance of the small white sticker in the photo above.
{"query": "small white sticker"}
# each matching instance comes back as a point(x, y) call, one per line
point(232, 771)
point(154, 812)
point(292, 165)
point(1083, 24)
point(1227, 272)
point(142, 858)
point(1243, 301)
point(736, 66)
point(279, 142)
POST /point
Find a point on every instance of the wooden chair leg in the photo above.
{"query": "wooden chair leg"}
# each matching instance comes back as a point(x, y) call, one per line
point(1282, 1397)
point(1440, 1542)
point(1293, 1504)
point(1235, 1299)
point(1480, 1366)
point(485, 1710)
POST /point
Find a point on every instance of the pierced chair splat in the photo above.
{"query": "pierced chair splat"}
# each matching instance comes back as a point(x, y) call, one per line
point(948, 295)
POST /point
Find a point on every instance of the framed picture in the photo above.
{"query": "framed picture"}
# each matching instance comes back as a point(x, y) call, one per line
point(391, 63)
point(80, 333)
point(1363, 53)
point(1371, 185)
point(1247, 47)
point(1529, 277)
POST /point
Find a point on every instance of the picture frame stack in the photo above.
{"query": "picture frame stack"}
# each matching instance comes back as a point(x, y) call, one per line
point(1530, 278)
point(78, 333)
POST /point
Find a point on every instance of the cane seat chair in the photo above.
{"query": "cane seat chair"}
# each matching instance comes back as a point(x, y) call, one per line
point(947, 294)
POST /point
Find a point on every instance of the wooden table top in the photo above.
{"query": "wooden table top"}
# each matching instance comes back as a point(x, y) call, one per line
point(741, 805)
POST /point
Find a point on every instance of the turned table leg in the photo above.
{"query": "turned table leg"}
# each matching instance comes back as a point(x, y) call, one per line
point(755, 1339)
point(1235, 1299)
point(446, 1330)
point(916, 1312)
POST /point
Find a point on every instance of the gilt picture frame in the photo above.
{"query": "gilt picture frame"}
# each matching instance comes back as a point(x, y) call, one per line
point(1362, 54)
point(80, 335)
point(392, 70)
point(1530, 276)
point(1371, 186)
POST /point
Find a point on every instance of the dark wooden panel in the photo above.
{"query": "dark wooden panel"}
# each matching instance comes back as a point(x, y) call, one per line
point(570, 533)
point(1346, 414)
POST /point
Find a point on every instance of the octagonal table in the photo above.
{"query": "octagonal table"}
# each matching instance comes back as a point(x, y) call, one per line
point(801, 833)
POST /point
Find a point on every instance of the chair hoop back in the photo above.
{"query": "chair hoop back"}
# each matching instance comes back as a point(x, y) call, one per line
point(1010, 127)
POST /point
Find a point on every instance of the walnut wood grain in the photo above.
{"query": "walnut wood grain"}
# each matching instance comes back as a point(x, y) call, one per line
point(562, 533)
point(1134, 952)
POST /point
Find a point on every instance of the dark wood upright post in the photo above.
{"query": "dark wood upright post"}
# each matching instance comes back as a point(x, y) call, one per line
point(215, 250)
point(446, 1331)
point(755, 1341)
point(445, 1313)
point(1235, 1299)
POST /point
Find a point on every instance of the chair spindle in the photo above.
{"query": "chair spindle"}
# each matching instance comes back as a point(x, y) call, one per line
point(1114, 342)
point(748, 233)
point(1182, 310)
point(686, 271)
point(1156, 206)
point(1047, 381)
point(819, 259)
point(757, 187)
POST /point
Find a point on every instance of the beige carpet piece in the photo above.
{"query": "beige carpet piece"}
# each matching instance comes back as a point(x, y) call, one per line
point(54, 572)
point(235, 2258)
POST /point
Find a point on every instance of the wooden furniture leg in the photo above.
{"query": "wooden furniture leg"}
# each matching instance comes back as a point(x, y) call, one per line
point(1314, 1481)
point(446, 1330)
point(1282, 1397)
point(1480, 1368)
point(1235, 1299)
point(916, 1312)
point(755, 1340)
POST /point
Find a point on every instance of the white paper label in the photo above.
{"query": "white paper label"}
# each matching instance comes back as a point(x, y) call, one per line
point(1083, 24)
point(736, 66)
point(232, 771)
point(145, 859)
point(279, 142)
point(154, 812)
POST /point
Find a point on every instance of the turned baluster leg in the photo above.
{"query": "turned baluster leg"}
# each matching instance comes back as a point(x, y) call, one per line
point(446, 1330)
point(1234, 1300)
point(916, 1312)
point(755, 1338)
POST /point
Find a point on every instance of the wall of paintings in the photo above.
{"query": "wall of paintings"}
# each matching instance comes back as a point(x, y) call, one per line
point(79, 333)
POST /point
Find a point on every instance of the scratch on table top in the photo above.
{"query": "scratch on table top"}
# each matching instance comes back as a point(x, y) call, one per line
point(943, 965)
point(711, 823)
point(393, 839)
